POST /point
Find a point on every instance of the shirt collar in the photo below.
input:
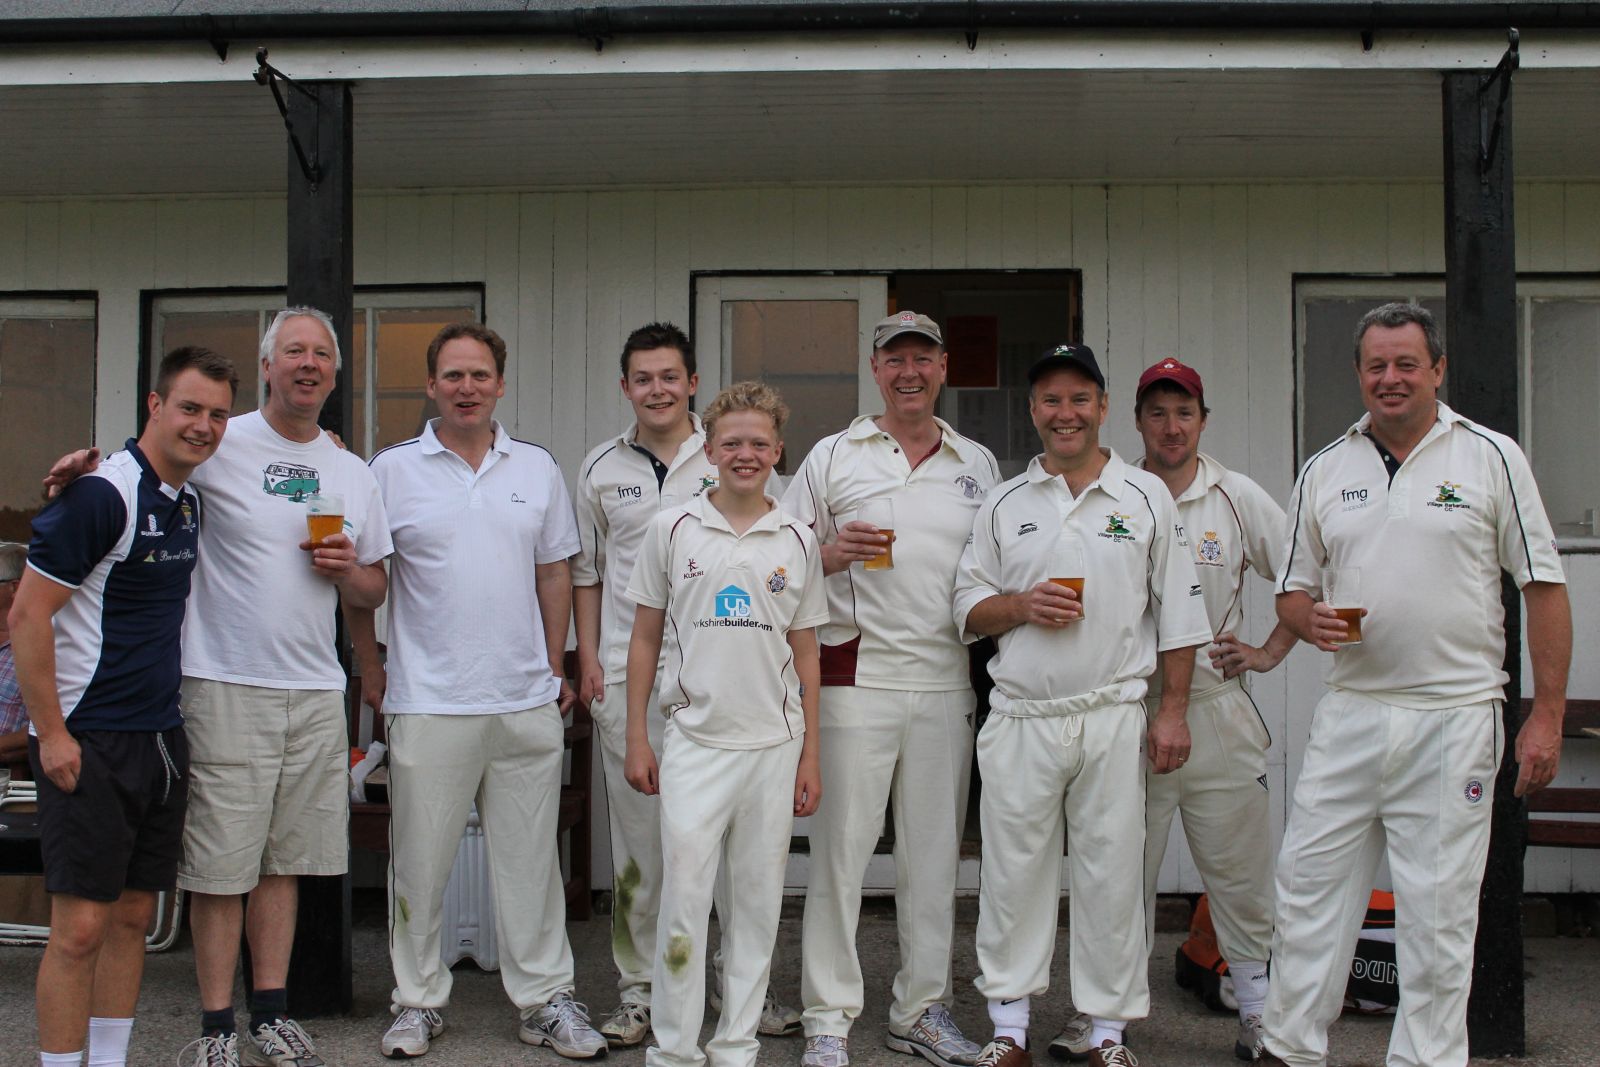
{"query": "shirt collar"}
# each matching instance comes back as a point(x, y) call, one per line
point(1113, 476)
point(695, 442)
point(865, 427)
point(1447, 418)
point(431, 445)
point(147, 473)
point(702, 508)
point(1206, 476)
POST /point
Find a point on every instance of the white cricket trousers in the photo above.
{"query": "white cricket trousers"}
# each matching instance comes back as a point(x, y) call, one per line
point(510, 765)
point(1221, 792)
point(1418, 785)
point(729, 808)
point(1082, 773)
point(877, 747)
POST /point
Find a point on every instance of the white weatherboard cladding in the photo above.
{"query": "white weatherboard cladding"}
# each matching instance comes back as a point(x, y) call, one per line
point(1204, 271)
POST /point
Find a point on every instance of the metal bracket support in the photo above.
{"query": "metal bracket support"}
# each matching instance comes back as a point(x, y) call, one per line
point(268, 75)
point(1491, 127)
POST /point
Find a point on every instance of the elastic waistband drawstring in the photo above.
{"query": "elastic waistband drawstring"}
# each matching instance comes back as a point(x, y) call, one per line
point(1071, 729)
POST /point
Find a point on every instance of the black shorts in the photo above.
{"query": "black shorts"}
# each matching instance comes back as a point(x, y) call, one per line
point(122, 827)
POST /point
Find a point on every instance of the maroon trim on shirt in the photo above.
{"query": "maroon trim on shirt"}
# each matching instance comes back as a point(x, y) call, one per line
point(931, 452)
point(839, 662)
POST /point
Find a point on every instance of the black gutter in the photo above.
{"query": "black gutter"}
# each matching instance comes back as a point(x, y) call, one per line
point(775, 16)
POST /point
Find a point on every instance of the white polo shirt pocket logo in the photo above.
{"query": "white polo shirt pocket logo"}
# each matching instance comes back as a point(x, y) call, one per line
point(1117, 528)
point(733, 603)
point(1449, 497)
point(777, 581)
point(1210, 550)
point(970, 487)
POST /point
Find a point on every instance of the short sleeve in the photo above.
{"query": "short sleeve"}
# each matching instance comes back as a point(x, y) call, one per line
point(806, 496)
point(813, 609)
point(1304, 553)
point(78, 530)
point(1177, 600)
point(1527, 543)
point(648, 585)
point(373, 540)
point(558, 538)
point(1263, 529)
point(978, 573)
point(589, 565)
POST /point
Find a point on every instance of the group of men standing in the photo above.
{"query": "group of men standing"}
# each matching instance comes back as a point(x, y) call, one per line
point(1102, 721)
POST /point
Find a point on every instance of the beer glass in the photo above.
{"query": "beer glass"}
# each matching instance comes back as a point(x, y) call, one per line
point(1067, 568)
point(324, 516)
point(1341, 588)
point(879, 512)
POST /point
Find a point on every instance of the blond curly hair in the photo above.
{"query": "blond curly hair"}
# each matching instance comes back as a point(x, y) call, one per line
point(745, 396)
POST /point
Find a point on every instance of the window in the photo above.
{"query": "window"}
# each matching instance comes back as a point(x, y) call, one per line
point(390, 332)
point(47, 366)
point(1558, 352)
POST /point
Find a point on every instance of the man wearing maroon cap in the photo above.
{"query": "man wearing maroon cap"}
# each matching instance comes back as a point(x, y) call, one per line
point(1231, 526)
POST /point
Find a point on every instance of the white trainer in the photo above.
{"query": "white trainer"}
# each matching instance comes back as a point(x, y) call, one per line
point(412, 1031)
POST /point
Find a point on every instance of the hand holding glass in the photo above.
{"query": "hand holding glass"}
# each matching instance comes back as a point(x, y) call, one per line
point(324, 516)
point(1341, 588)
point(879, 512)
point(1067, 569)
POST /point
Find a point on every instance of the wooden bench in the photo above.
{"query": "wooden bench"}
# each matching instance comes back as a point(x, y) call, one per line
point(1582, 722)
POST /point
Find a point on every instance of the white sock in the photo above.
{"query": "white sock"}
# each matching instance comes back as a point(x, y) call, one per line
point(1010, 1018)
point(61, 1059)
point(1249, 987)
point(108, 1042)
point(1105, 1030)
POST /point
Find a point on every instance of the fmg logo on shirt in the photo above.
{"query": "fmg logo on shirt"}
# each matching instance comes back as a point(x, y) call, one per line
point(733, 603)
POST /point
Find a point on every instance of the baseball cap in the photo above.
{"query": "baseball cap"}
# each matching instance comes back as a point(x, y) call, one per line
point(1077, 357)
point(905, 322)
point(1170, 370)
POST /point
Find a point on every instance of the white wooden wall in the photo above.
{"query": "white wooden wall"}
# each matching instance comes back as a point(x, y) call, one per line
point(1202, 271)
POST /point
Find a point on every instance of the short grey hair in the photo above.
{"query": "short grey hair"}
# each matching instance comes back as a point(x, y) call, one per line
point(269, 340)
point(1393, 316)
point(13, 557)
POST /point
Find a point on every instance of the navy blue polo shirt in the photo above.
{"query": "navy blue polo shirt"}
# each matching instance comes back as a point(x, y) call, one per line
point(126, 545)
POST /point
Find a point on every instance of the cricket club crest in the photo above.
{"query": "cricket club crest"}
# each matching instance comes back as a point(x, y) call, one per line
point(708, 481)
point(777, 581)
point(1474, 791)
point(1210, 549)
point(970, 487)
point(1449, 497)
point(1117, 528)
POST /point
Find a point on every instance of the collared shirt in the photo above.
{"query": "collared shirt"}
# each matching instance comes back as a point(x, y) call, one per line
point(731, 600)
point(125, 543)
point(1430, 544)
point(1140, 596)
point(618, 494)
point(891, 629)
point(465, 633)
point(260, 615)
point(1232, 527)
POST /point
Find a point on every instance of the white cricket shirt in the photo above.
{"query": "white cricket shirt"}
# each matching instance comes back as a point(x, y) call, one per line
point(1430, 544)
point(466, 636)
point(1233, 527)
point(617, 497)
point(258, 614)
point(731, 601)
point(1141, 594)
point(892, 629)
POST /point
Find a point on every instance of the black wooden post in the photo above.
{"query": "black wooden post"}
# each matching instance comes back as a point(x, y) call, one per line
point(1481, 319)
point(321, 275)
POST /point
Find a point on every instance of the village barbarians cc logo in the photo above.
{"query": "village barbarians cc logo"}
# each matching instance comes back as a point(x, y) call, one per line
point(1210, 550)
point(708, 481)
point(1117, 528)
point(1449, 497)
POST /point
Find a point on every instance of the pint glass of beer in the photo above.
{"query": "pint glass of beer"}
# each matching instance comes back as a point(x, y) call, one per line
point(1067, 568)
point(1341, 588)
point(324, 516)
point(879, 512)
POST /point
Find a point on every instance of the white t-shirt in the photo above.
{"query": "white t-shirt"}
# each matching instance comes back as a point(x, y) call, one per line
point(617, 496)
point(1141, 594)
point(892, 629)
point(731, 601)
point(1430, 545)
point(465, 633)
point(258, 614)
point(1232, 527)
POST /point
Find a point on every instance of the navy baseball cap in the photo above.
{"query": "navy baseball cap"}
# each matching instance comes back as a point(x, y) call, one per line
point(1076, 357)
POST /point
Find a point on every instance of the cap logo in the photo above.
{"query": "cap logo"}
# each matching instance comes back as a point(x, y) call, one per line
point(908, 318)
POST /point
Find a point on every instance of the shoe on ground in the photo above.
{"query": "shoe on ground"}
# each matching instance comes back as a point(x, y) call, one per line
point(411, 1032)
point(280, 1043)
point(211, 1052)
point(826, 1050)
point(627, 1026)
point(1072, 1043)
point(562, 1024)
point(1248, 1046)
point(1111, 1054)
point(936, 1038)
point(1004, 1052)
point(1267, 1059)
point(777, 1019)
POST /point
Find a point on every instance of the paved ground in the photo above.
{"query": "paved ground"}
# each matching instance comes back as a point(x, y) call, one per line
point(1563, 975)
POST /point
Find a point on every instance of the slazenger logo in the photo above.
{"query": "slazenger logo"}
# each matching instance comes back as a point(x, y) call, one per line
point(1117, 528)
point(1027, 528)
point(1352, 499)
point(1449, 497)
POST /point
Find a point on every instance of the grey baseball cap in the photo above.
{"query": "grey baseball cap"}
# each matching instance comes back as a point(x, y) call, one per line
point(905, 322)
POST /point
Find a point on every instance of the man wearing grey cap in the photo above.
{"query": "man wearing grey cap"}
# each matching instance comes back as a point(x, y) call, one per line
point(897, 700)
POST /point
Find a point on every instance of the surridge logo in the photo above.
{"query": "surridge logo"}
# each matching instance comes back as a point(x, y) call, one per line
point(1117, 528)
point(150, 528)
point(1449, 497)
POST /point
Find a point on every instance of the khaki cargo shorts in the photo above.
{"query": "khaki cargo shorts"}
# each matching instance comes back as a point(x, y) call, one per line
point(268, 786)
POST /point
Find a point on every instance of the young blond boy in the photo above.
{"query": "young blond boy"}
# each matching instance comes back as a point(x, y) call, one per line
point(741, 583)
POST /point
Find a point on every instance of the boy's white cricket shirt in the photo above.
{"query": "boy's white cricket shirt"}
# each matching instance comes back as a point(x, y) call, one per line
point(1141, 594)
point(731, 600)
point(1430, 544)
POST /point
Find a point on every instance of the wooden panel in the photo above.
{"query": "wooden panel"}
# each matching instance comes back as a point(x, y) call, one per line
point(564, 425)
point(1125, 295)
point(1583, 227)
point(469, 237)
point(76, 240)
point(270, 238)
point(502, 273)
point(13, 244)
point(429, 260)
point(674, 252)
point(1053, 224)
point(809, 243)
point(947, 227)
point(1158, 245)
point(370, 224)
point(42, 245)
point(402, 235)
point(1546, 247)
point(535, 303)
point(1351, 225)
point(1089, 255)
point(1019, 226)
point(775, 226)
point(985, 227)
point(1410, 224)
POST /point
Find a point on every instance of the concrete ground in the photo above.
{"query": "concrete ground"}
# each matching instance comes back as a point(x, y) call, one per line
point(1563, 974)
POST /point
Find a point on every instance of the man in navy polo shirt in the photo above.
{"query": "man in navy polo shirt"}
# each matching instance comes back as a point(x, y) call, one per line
point(96, 629)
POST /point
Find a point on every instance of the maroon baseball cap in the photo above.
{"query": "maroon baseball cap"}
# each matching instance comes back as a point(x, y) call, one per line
point(1170, 370)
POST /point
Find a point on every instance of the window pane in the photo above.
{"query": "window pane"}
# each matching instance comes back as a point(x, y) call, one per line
point(46, 405)
point(1565, 372)
point(235, 334)
point(806, 349)
point(402, 373)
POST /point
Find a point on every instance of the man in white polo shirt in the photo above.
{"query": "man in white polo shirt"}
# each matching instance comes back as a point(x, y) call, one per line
point(897, 700)
point(1404, 748)
point(1061, 747)
point(657, 463)
point(473, 694)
